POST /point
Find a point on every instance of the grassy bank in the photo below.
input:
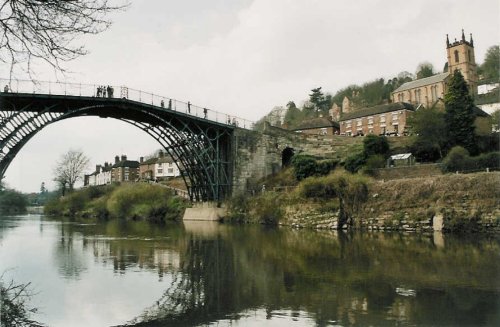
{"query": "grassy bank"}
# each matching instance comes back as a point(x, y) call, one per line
point(126, 201)
point(467, 203)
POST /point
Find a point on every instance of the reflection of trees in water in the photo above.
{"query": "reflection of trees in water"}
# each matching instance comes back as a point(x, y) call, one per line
point(351, 279)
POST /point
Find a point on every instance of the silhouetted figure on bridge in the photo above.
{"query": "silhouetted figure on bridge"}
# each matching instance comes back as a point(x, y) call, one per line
point(189, 107)
point(103, 91)
point(205, 112)
point(99, 91)
point(110, 91)
point(162, 104)
point(6, 89)
point(170, 104)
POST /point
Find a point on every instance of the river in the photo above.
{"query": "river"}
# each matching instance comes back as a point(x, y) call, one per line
point(203, 274)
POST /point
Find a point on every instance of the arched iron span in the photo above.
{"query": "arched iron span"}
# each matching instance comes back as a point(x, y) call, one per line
point(201, 146)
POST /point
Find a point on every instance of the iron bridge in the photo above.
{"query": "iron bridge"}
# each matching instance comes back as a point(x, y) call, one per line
point(198, 139)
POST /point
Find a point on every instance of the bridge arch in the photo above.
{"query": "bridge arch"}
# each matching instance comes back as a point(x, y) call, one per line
point(202, 147)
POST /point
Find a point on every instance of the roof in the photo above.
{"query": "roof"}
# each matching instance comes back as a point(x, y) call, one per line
point(380, 109)
point(167, 159)
point(320, 122)
point(479, 112)
point(422, 82)
point(127, 163)
point(401, 156)
point(150, 161)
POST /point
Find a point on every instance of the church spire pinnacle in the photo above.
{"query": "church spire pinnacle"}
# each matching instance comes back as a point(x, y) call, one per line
point(471, 40)
point(447, 41)
point(463, 35)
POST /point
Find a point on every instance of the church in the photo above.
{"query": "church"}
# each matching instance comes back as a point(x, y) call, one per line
point(427, 91)
point(390, 119)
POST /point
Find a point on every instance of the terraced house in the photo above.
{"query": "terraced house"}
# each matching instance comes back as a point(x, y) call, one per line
point(385, 119)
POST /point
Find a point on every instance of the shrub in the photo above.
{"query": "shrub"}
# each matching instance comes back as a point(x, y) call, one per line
point(12, 202)
point(354, 162)
point(267, 209)
point(143, 201)
point(374, 162)
point(318, 188)
point(238, 207)
point(324, 167)
point(304, 166)
point(373, 144)
point(458, 159)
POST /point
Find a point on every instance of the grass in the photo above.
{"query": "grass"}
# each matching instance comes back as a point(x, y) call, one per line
point(127, 201)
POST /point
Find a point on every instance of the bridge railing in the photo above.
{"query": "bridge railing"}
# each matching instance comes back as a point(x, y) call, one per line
point(109, 91)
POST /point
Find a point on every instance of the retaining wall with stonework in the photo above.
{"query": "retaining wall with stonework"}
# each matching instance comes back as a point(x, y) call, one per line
point(260, 154)
point(464, 203)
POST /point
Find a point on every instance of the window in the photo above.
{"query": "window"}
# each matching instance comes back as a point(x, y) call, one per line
point(160, 170)
point(382, 118)
point(370, 120)
point(456, 55)
point(359, 122)
point(126, 176)
point(170, 170)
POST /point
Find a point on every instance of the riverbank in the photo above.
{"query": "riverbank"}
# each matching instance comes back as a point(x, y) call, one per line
point(451, 203)
point(138, 201)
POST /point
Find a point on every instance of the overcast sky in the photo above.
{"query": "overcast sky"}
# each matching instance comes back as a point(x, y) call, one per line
point(244, 57)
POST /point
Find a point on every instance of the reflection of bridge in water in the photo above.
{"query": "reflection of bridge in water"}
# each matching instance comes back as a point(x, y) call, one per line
point(200, 139)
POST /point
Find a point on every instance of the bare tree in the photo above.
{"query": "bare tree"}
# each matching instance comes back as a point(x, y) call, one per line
point(45, 30)
point(69, 169)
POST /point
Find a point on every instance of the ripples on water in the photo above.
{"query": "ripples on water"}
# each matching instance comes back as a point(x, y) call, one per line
point(198, 274)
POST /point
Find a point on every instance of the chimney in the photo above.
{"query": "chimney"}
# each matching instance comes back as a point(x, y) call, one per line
point(141, 159)
point(117, 159)
point(106, 164)
point(161, 154)
point(98, 169)
point(124, 157)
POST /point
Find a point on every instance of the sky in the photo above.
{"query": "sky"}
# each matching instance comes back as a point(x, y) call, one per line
point(243, 58)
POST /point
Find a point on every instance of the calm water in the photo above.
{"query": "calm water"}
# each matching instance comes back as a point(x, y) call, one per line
point(198, 274)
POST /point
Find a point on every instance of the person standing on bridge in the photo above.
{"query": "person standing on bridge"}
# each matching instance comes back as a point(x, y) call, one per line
point(189, 107)
point(162, 104)
point(103, 91)
point(205, 112)
point(98, 93)
point(6, 89)
point(170, 104)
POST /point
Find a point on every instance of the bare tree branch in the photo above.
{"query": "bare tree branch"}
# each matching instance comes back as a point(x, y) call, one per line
point(46, 30)
point(69, 169)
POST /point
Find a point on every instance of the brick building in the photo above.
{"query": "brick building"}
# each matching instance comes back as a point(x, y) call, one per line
point(385, 119)
point(124, 170)
point(318, 126)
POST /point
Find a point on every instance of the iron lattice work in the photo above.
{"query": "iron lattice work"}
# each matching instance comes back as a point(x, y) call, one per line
point(201, 146)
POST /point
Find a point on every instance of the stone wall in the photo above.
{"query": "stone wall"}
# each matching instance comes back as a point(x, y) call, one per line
point(259, 154)
point(465, 203)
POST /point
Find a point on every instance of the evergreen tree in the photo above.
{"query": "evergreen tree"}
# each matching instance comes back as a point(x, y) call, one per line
point(317, 98)
point(459, 114)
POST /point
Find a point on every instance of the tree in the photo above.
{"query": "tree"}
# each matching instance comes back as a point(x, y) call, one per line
point(424, 69)
point(490, 69)
point(375, 145)
point(429, 126)
point(69, 169)
point(459, 114)
point(45, 30)
point(317, 98)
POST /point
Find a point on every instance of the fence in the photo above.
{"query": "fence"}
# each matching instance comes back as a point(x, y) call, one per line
point(108, 91)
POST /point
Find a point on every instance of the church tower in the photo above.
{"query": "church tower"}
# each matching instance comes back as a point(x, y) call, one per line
point(461, 56)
